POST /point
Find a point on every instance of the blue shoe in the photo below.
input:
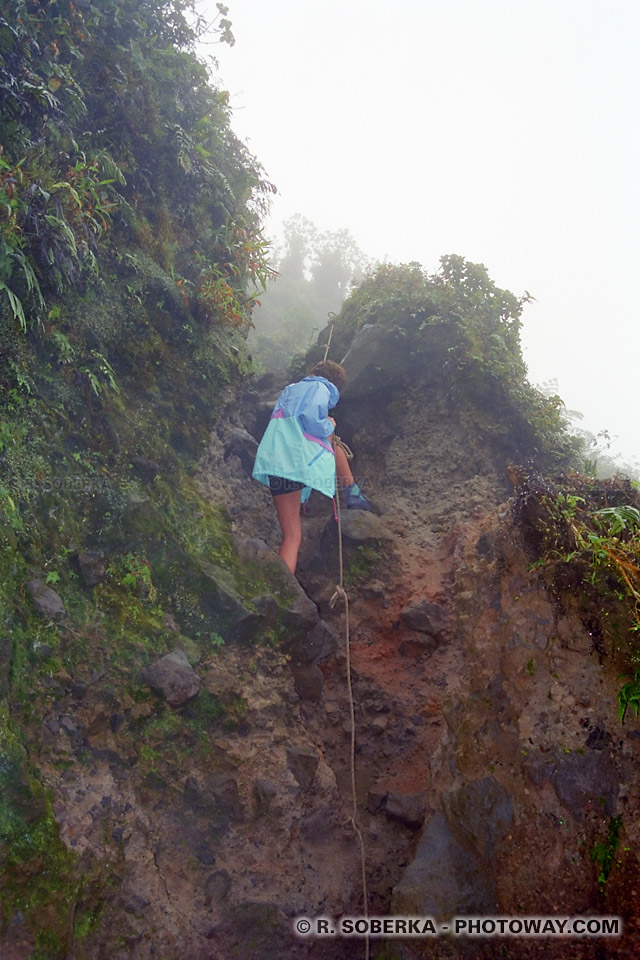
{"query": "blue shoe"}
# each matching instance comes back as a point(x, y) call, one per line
point(355, 499)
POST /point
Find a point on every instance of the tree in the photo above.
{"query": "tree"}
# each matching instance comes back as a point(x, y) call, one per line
point(317, 270)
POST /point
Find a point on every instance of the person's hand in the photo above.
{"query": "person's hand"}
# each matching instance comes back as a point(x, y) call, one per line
point(331, 420)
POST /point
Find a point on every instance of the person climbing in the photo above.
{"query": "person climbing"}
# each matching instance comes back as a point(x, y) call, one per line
point(297, 453)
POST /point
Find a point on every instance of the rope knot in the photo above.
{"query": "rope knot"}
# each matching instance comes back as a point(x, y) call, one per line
point(340, 594)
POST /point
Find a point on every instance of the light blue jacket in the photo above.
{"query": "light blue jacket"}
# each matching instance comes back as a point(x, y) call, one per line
point(296, 442)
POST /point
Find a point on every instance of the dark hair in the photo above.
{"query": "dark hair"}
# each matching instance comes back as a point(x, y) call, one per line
point(330, 371)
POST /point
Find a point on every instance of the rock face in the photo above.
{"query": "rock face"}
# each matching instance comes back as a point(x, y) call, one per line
point(211, 798)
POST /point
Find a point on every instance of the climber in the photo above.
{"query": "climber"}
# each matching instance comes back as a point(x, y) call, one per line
point(298, 454)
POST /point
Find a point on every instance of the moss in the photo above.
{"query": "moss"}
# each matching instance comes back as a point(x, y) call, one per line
point(38, 875)
point(361, 564)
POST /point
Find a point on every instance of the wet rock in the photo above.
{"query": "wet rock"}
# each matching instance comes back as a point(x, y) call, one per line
point(6, 650)
point(318, 824)
point(242, 445)
point(445, 878)
point(296, 612)
point(376, 801)
point(374, 359)
point(315, 645)
point(91, 566)
point(586, 782)
point(225, 798)
point(145, 468)
point(425, 617)
point(174, 677)
point(482, 811)
point(264, 792)
point(417, 645)
point(361, 526)
point(409, 809)
point(272, 941)
point(303, 763)
point(598, 739)
point(217, 887)
point(205, 855)
point(46, 600)
point(379, 725)
point(136, 905)
point(308, 680)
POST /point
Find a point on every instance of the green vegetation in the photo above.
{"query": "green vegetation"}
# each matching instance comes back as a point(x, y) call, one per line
point(585, 536)
point(131, 257)
point(458, 329)
point(361, 564)
point(603, 854)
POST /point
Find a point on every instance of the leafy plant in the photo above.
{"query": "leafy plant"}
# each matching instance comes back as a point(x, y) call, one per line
point(629, 695)
point(603, 854)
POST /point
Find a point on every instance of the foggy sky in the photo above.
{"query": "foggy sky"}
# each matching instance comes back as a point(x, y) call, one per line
point(502, 130)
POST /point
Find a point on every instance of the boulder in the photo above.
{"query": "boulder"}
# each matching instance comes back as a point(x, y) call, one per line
point(145, 468)
point(445, 878)
point(452, 872)
point(308, 680)
point(425, 617)
point(46, 601)
point(315, 645)
point(302, 761)
point(242, 445)
point(361, 526)
point(173, 677)
point(408, 809)
point(263, 792)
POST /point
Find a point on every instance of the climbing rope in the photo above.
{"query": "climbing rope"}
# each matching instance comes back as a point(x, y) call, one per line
point(351, 823)
point(332, 323)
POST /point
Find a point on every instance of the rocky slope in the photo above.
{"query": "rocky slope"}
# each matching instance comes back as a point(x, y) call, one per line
point(175, 714)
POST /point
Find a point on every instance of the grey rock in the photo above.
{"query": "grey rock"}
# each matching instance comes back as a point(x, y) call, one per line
point(586, 782)
point(217, 887)
point(6, 651)
point(445, 879)
point(409, 809)
point(46, 601)
point(417, 645)
point(287, 607)
point(376, 801)
point(275, 939)
point(264, 792)
point(482, 811)
point(136, 905)
point(425, 617)
point(242, 445)
point(319, 643)
point(452, 872)
point(174, 677)
point(599, 739)
point(308, 681)
point(369, 358)
point(362, 526)
point(303, 762)
point(91, 566)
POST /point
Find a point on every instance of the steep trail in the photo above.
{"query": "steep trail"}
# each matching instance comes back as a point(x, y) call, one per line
point(479, 749)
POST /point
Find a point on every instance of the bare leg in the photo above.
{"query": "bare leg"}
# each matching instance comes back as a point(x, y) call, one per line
point(343, 470)
point(288, 509)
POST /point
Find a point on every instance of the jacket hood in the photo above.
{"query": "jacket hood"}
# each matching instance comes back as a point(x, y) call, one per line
point(334, 393)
